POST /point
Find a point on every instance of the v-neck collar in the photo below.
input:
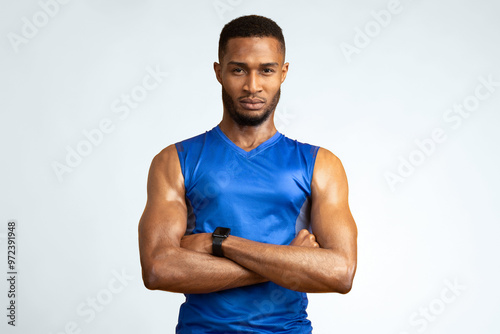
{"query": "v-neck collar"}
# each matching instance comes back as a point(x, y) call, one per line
point(252, 152)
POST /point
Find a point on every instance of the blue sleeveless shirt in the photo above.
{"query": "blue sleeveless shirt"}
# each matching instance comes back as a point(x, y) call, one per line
point(262, 195)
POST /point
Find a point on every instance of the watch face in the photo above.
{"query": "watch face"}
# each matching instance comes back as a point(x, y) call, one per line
point(221, 232)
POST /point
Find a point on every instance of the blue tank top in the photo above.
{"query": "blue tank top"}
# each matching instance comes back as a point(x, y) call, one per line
point(262, 195)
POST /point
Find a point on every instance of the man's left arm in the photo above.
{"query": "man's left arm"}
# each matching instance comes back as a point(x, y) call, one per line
point(327, 268)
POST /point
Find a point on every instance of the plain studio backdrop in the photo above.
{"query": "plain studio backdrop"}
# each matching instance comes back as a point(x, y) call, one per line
point(406, 93)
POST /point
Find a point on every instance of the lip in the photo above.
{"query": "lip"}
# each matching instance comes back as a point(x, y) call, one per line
point(252, 104)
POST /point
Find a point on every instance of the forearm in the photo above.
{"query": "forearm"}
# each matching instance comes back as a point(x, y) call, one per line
point(186, 271)
point(303, 269)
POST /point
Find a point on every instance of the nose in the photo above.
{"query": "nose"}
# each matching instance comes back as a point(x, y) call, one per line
point(252, 84)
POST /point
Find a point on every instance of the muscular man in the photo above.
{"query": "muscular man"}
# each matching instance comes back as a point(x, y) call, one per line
point(278, 207)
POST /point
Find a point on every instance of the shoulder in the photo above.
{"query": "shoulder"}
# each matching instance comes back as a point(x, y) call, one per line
point(165, 156)
point(165, 165)
point(172, 151)
point(303, 147)
point(165, 179)
point(327, 160)
point(170, 162)
point(329, 173)
point(195, 141)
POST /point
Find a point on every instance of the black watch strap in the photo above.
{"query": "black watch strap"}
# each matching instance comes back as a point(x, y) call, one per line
point(217, 246)
point(220, 234)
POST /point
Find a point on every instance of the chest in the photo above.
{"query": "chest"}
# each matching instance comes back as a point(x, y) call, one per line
point(271, 178)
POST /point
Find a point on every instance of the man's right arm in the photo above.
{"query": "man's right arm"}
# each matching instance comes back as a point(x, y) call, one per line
point(165, 264)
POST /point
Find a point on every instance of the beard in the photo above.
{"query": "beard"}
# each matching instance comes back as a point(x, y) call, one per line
point(243, 119)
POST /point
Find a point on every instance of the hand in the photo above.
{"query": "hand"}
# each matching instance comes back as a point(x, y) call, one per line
point(305, 239)
point(199, 242)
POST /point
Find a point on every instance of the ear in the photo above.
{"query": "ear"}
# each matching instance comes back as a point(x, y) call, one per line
point(218, 72)
point(284, 71)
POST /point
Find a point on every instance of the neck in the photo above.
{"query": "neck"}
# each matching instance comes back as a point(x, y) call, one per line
point(247, 137)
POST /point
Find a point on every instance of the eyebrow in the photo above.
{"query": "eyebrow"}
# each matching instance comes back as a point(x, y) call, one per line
point(246, 65)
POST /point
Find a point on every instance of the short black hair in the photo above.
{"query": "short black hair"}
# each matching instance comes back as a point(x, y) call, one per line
point(250, 26)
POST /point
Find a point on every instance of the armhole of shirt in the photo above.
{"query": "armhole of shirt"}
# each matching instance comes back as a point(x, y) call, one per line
point(314, 153)
point(191, 217)
point(180, 154)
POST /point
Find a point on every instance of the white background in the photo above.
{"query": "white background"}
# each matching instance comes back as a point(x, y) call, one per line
point(435, 228)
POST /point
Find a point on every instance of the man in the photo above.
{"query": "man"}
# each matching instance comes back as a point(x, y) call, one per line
point(229, 214)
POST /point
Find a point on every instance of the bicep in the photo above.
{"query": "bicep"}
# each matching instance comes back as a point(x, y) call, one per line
point(332, 221)
point(163, 222)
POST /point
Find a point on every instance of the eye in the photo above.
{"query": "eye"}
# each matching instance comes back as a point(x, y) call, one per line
point(237, 70)
point(268, 71)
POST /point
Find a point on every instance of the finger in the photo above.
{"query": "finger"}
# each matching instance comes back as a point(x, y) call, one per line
point(303, 232)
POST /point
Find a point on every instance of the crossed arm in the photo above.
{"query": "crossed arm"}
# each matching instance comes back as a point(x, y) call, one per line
point(324, 261)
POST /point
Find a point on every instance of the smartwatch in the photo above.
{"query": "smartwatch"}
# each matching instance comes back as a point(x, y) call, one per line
point(220, 234)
